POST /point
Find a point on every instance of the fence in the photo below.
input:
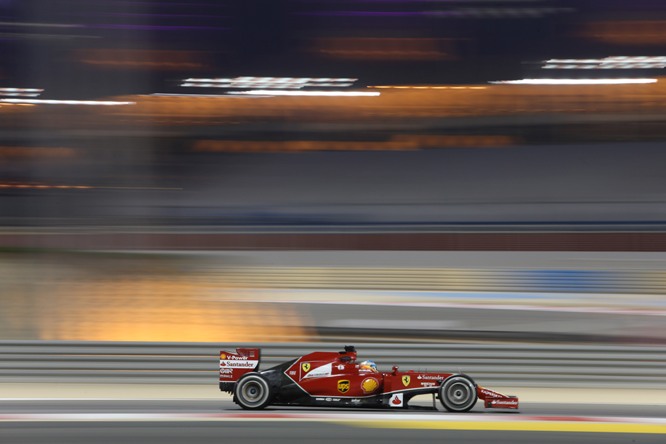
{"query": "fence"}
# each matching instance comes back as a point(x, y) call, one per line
point(196, 363)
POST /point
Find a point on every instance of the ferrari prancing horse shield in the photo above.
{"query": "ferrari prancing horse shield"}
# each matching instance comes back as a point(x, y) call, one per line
point(405, 380)
point(306, 367)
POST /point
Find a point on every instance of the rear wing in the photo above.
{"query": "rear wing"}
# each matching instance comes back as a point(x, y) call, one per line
point(233, 365)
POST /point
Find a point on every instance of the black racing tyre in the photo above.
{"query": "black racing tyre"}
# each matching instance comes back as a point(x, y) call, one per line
point(253, 392)
point(458, 393)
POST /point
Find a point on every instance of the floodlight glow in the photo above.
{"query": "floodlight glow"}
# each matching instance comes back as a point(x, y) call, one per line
point(576, 81)
point(426, 87)
point(20, 92)
point(66, 102)
point(273, 92)
point(267, 82)
point(615, 62)
point(184, 95)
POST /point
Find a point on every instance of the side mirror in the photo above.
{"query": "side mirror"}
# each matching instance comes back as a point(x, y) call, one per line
point(395, 369)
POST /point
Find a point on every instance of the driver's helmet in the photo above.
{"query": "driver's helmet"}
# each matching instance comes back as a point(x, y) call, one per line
point(368, 366)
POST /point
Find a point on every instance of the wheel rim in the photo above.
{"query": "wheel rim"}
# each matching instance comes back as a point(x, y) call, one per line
point(253, 393)
point(458, 394)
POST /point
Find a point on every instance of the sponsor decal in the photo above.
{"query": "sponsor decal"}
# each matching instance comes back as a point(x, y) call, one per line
point(324, 370)
point(226, 371)
point(237, 358)
point(223, 356)
point(406, 379)
point(292, 372)
point(355, 401)
point(341, 367)
point(305, 367)
point(369, 385)
point(491, 394)
point(239, 364)
point(436, 377)
point(343, 385)
point(503, 402)
point(428, 384)
point(396, 400)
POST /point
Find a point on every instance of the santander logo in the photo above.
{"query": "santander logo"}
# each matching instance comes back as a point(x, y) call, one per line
point(396, 400)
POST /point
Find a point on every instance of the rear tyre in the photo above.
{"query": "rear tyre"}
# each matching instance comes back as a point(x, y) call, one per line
point(458, 393)
point(253, 392)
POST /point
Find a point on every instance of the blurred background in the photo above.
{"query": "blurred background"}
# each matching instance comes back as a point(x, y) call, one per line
point(483, 173)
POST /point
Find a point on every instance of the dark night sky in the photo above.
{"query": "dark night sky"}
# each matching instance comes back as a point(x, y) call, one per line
point(272, 37)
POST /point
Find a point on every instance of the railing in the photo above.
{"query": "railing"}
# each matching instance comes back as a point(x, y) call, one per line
point(450, 279)
point(183, 363)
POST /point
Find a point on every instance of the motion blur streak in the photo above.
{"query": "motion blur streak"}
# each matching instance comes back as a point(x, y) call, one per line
point(615, 62)
point(245, 146)
point(267, 82)
point(425, 87)
point(130, 300)
point(134, 59)
point(20, 92)
point(184, 297)
point(536, 426)
point(36, 186)
point(404, 104)
point(42, 186)
point(179, 177)
point(577, 81)
point(272, 92)
point(36, 151)
point(383, 48)
point(626, 32)
point(396, 143)
point(67, 102)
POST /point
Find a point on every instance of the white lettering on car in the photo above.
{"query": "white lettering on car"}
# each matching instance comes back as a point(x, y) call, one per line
point(490, 393)
point(324, 370)
point(238, 364)
point(503, 402)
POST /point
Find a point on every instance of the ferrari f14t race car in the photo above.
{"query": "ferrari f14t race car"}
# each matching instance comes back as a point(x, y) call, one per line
point(335, 379)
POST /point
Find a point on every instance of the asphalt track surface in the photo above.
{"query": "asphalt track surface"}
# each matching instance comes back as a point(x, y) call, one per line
point(196, 421)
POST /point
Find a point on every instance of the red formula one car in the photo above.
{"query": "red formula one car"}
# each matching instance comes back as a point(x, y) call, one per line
point(335, 379)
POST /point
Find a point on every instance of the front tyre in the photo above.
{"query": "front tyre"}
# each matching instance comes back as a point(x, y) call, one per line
point(458, 393)
point(253, 392)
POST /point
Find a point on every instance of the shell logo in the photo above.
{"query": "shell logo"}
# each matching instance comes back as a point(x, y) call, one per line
point(223, 356)
point(369, 385)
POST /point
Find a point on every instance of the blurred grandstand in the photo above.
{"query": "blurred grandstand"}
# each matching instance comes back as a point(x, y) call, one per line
point(238, 113)
point(175, 127)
